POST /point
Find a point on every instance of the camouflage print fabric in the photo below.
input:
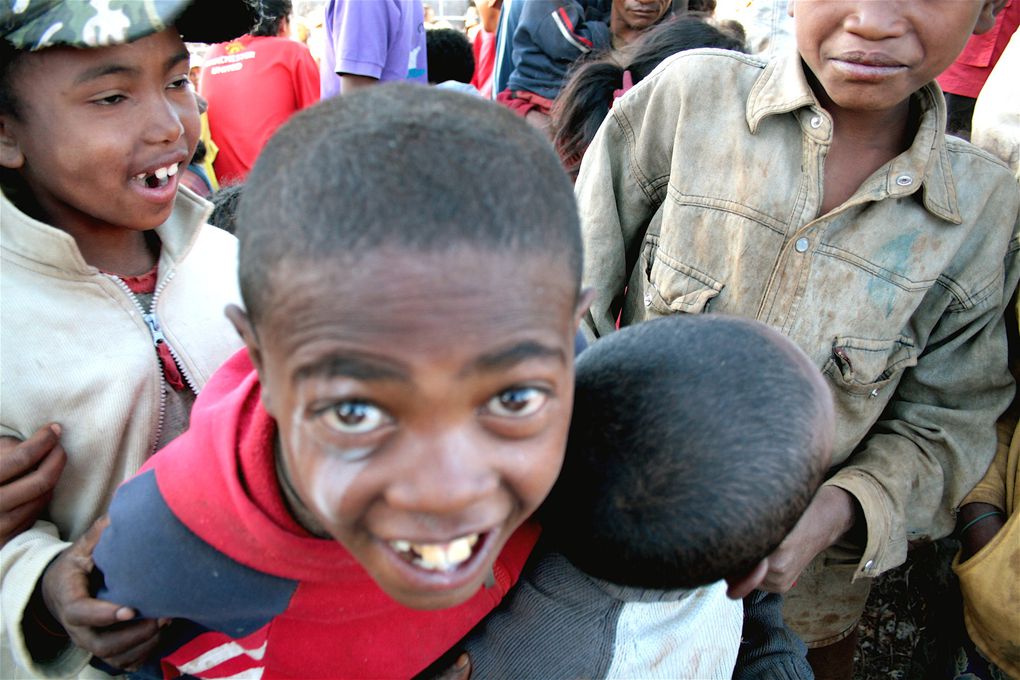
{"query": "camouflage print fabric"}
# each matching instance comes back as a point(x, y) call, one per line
point(36, 24)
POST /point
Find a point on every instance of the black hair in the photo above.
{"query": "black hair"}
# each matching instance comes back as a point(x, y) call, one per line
point(386, 168)
point(449, 56)
point(269, 15)
point(696, 444)
point(587, 96)
point(9, 57)
point(225, 201)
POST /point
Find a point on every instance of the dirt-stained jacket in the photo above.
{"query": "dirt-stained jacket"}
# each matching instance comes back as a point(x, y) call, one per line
point(702, 192)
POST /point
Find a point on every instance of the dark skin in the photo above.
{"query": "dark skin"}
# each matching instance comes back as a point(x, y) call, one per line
point(979, 534)
point(104, 628)
point(29, 471)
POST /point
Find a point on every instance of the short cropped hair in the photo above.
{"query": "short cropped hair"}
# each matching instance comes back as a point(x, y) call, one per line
point(696, 444)
point(449, 56)
point(401, 166)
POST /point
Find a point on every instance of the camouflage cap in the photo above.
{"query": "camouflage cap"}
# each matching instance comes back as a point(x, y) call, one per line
point(36, 24)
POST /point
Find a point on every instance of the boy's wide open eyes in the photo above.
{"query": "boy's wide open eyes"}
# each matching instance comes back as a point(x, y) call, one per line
point(355, 417)
point(517, 402)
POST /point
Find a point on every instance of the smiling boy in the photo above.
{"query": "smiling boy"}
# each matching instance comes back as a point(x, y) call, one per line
point(351, 497)
point(817, 193)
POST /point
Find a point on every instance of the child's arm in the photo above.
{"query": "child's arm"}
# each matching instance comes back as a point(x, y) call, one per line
point(617, 195)
point(29, 471)
point(560, 30)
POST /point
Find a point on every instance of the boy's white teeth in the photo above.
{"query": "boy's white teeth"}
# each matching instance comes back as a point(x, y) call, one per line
point(171, 170)
point(161, 173)
point(437, 556)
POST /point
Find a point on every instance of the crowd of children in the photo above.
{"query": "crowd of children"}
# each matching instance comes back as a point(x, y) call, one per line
point(668, 422)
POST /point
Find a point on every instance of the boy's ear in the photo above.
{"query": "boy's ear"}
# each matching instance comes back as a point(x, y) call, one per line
point(584, 301)
point(242, 324)
point(11, 156)
point(739, 587)
point(989, 10)
point(789, 7)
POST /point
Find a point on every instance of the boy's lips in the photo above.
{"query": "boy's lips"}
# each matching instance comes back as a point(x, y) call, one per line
point(865, 66)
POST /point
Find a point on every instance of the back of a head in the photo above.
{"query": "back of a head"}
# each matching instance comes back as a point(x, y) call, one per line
point(449, 56)
point(270, 15)
point(589, 91)
point(696, 444)
point(397, 166)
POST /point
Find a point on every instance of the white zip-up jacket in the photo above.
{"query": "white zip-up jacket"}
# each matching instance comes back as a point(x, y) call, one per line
point(76, 349)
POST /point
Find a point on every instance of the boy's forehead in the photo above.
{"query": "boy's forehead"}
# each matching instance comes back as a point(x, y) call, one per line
point(399, 293)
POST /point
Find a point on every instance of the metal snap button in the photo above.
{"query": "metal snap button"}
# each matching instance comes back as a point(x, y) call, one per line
point(816, 122)
point(904, 180)
point(648, 300)
point(874, 393)
point(802, 245)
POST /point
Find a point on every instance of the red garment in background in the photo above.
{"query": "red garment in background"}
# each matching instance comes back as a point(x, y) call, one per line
point(967, 75)
point(484, 49)
point(253, 85)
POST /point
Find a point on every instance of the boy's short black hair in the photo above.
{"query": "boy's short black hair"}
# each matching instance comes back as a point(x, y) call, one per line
point(406, 168)
point(449, 56)
point(696, 444)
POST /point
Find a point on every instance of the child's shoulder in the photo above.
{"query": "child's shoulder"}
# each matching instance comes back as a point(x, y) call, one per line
point(704, 67)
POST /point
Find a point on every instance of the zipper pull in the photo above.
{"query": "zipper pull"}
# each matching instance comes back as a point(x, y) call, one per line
point(157, 333)
point(171, 372)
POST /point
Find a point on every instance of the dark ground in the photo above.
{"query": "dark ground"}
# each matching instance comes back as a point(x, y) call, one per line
point(911, 627)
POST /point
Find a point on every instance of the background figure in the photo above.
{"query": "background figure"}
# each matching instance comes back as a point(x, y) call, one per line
point(996, 126)
point(253, 85)
point(768, 25)
point(451, 63)
point(963, 80)
point(369, 42)
point(593, 86)
point(225, 202)
point(484, 45)
point(551, 35)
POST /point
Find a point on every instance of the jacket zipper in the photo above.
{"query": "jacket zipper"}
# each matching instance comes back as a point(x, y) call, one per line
point(157, 336)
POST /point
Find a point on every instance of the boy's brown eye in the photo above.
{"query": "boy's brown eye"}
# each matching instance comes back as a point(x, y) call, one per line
point(517, 402)
point(355, 417)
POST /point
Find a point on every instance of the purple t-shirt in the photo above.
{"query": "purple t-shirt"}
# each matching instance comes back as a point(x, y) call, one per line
point(382, 39)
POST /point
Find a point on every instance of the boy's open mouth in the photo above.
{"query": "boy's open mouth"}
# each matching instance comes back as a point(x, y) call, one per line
point(437, 556)
point(160, 177)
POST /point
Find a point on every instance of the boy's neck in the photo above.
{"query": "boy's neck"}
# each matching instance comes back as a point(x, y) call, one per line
point(124, 252)
point(862, 142)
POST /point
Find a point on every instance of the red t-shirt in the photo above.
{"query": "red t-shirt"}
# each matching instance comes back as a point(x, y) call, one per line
point(967, 75)
point(253, 85)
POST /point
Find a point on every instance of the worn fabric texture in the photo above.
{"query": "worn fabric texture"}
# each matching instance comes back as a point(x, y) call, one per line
point(558, 622)
point(990, 579)
point(74, 349)
point(702, 191)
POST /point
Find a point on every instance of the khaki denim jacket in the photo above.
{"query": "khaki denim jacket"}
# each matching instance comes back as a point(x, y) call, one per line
point(701, 192)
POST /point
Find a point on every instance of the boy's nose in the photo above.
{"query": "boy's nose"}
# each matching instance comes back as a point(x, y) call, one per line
point(877, 20)
point(163, 122)
point(445, 477)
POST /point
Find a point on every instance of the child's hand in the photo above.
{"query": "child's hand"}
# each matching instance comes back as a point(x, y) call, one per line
point(981, 522)
point(102, 628)
point(29, 471)
point(830, 515)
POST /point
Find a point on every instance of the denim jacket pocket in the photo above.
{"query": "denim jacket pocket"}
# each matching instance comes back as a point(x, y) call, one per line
point(861, 367)
point(675, 288)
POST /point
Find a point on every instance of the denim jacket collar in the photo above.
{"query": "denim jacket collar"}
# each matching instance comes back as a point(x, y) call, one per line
point(783, 88)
